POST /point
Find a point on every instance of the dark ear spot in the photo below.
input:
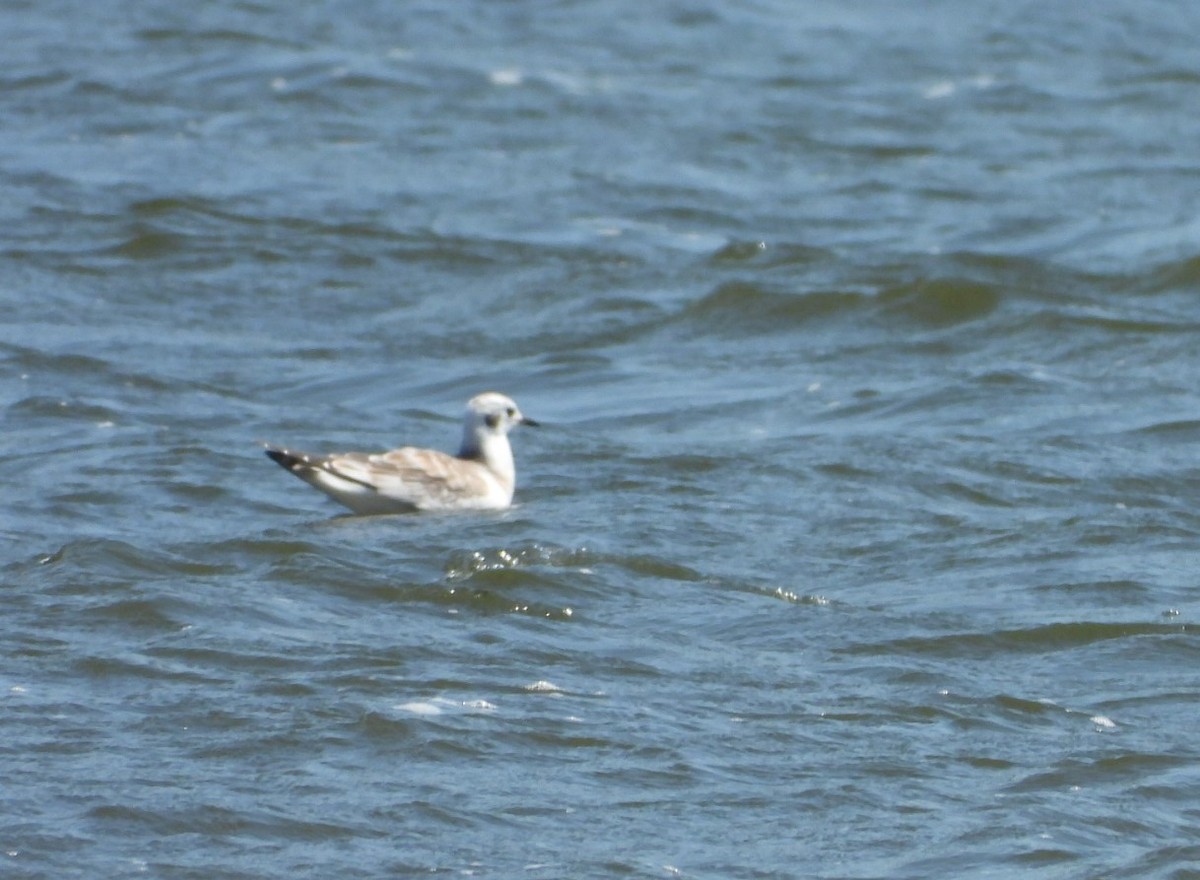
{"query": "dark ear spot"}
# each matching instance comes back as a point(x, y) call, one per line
point(492, 420)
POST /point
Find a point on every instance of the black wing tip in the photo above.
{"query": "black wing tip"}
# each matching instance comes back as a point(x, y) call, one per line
point(283, 458)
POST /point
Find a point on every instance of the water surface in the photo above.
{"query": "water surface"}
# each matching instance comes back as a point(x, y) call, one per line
point(860, 540)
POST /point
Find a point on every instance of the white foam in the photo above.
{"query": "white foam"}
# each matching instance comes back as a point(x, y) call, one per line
point(442, 705)
point(506, 76)
point(420, 708)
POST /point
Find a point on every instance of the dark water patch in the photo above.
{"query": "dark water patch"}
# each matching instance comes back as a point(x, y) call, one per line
point(739, 252)
point(740, 307)
point(198, 493)
point(287, 689)
point(188, 212)
point(653, 567)
point(1049, 639)
point(461, 253)
point(304, 562)
point(202, 39)
point(43, 407)
point(37, 846)
point(214, 662)
point(1182, 430)
point(764, 255)
point(46, 80)
point(83, 564)
point(970, 407)
point(213, 821)
point(268, 548)
point(110, 390)
point(1120, 325)
point(35, 360)
point(965, 492)
point(941, 302)
point(1045, 857)
point(1028, 472)
point(464, 565)
point(1103, 592)
point(496, 586)
point(559, 742)
point(136, 614)
point(988, 763)
point(87, 498)
point(568, 328)
point(440, 740)
point(1182, 275)
point(133, 669)
point(1118, 770)
point(149, 244)
point(783, 594)
point(495, 592)
point(445, 817)
point(1025, 709)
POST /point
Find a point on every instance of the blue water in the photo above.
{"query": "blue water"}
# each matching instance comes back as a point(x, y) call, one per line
point(859, 541)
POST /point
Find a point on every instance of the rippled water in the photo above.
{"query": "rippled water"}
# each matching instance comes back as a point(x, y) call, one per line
point(860, 539)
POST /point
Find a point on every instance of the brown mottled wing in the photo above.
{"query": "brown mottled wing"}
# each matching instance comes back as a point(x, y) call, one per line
point(424, 478)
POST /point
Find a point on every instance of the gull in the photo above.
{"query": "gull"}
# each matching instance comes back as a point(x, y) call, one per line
point(480, 477)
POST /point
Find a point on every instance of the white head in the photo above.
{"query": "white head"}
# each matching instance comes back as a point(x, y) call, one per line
point(490, 416)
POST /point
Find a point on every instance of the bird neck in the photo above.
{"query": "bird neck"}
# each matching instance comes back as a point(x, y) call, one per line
point(490, 449)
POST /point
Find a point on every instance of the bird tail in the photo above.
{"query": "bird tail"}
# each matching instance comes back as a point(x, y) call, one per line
point(287, 460)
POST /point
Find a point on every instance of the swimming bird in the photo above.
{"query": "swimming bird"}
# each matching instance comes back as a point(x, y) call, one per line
point(480, 477)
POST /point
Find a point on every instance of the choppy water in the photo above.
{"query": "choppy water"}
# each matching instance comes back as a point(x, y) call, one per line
point(861, 540)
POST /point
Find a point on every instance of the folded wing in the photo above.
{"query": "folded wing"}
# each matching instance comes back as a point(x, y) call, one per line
point(423, 479)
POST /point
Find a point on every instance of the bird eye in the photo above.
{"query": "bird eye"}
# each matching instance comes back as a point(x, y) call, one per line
point(511, 412)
